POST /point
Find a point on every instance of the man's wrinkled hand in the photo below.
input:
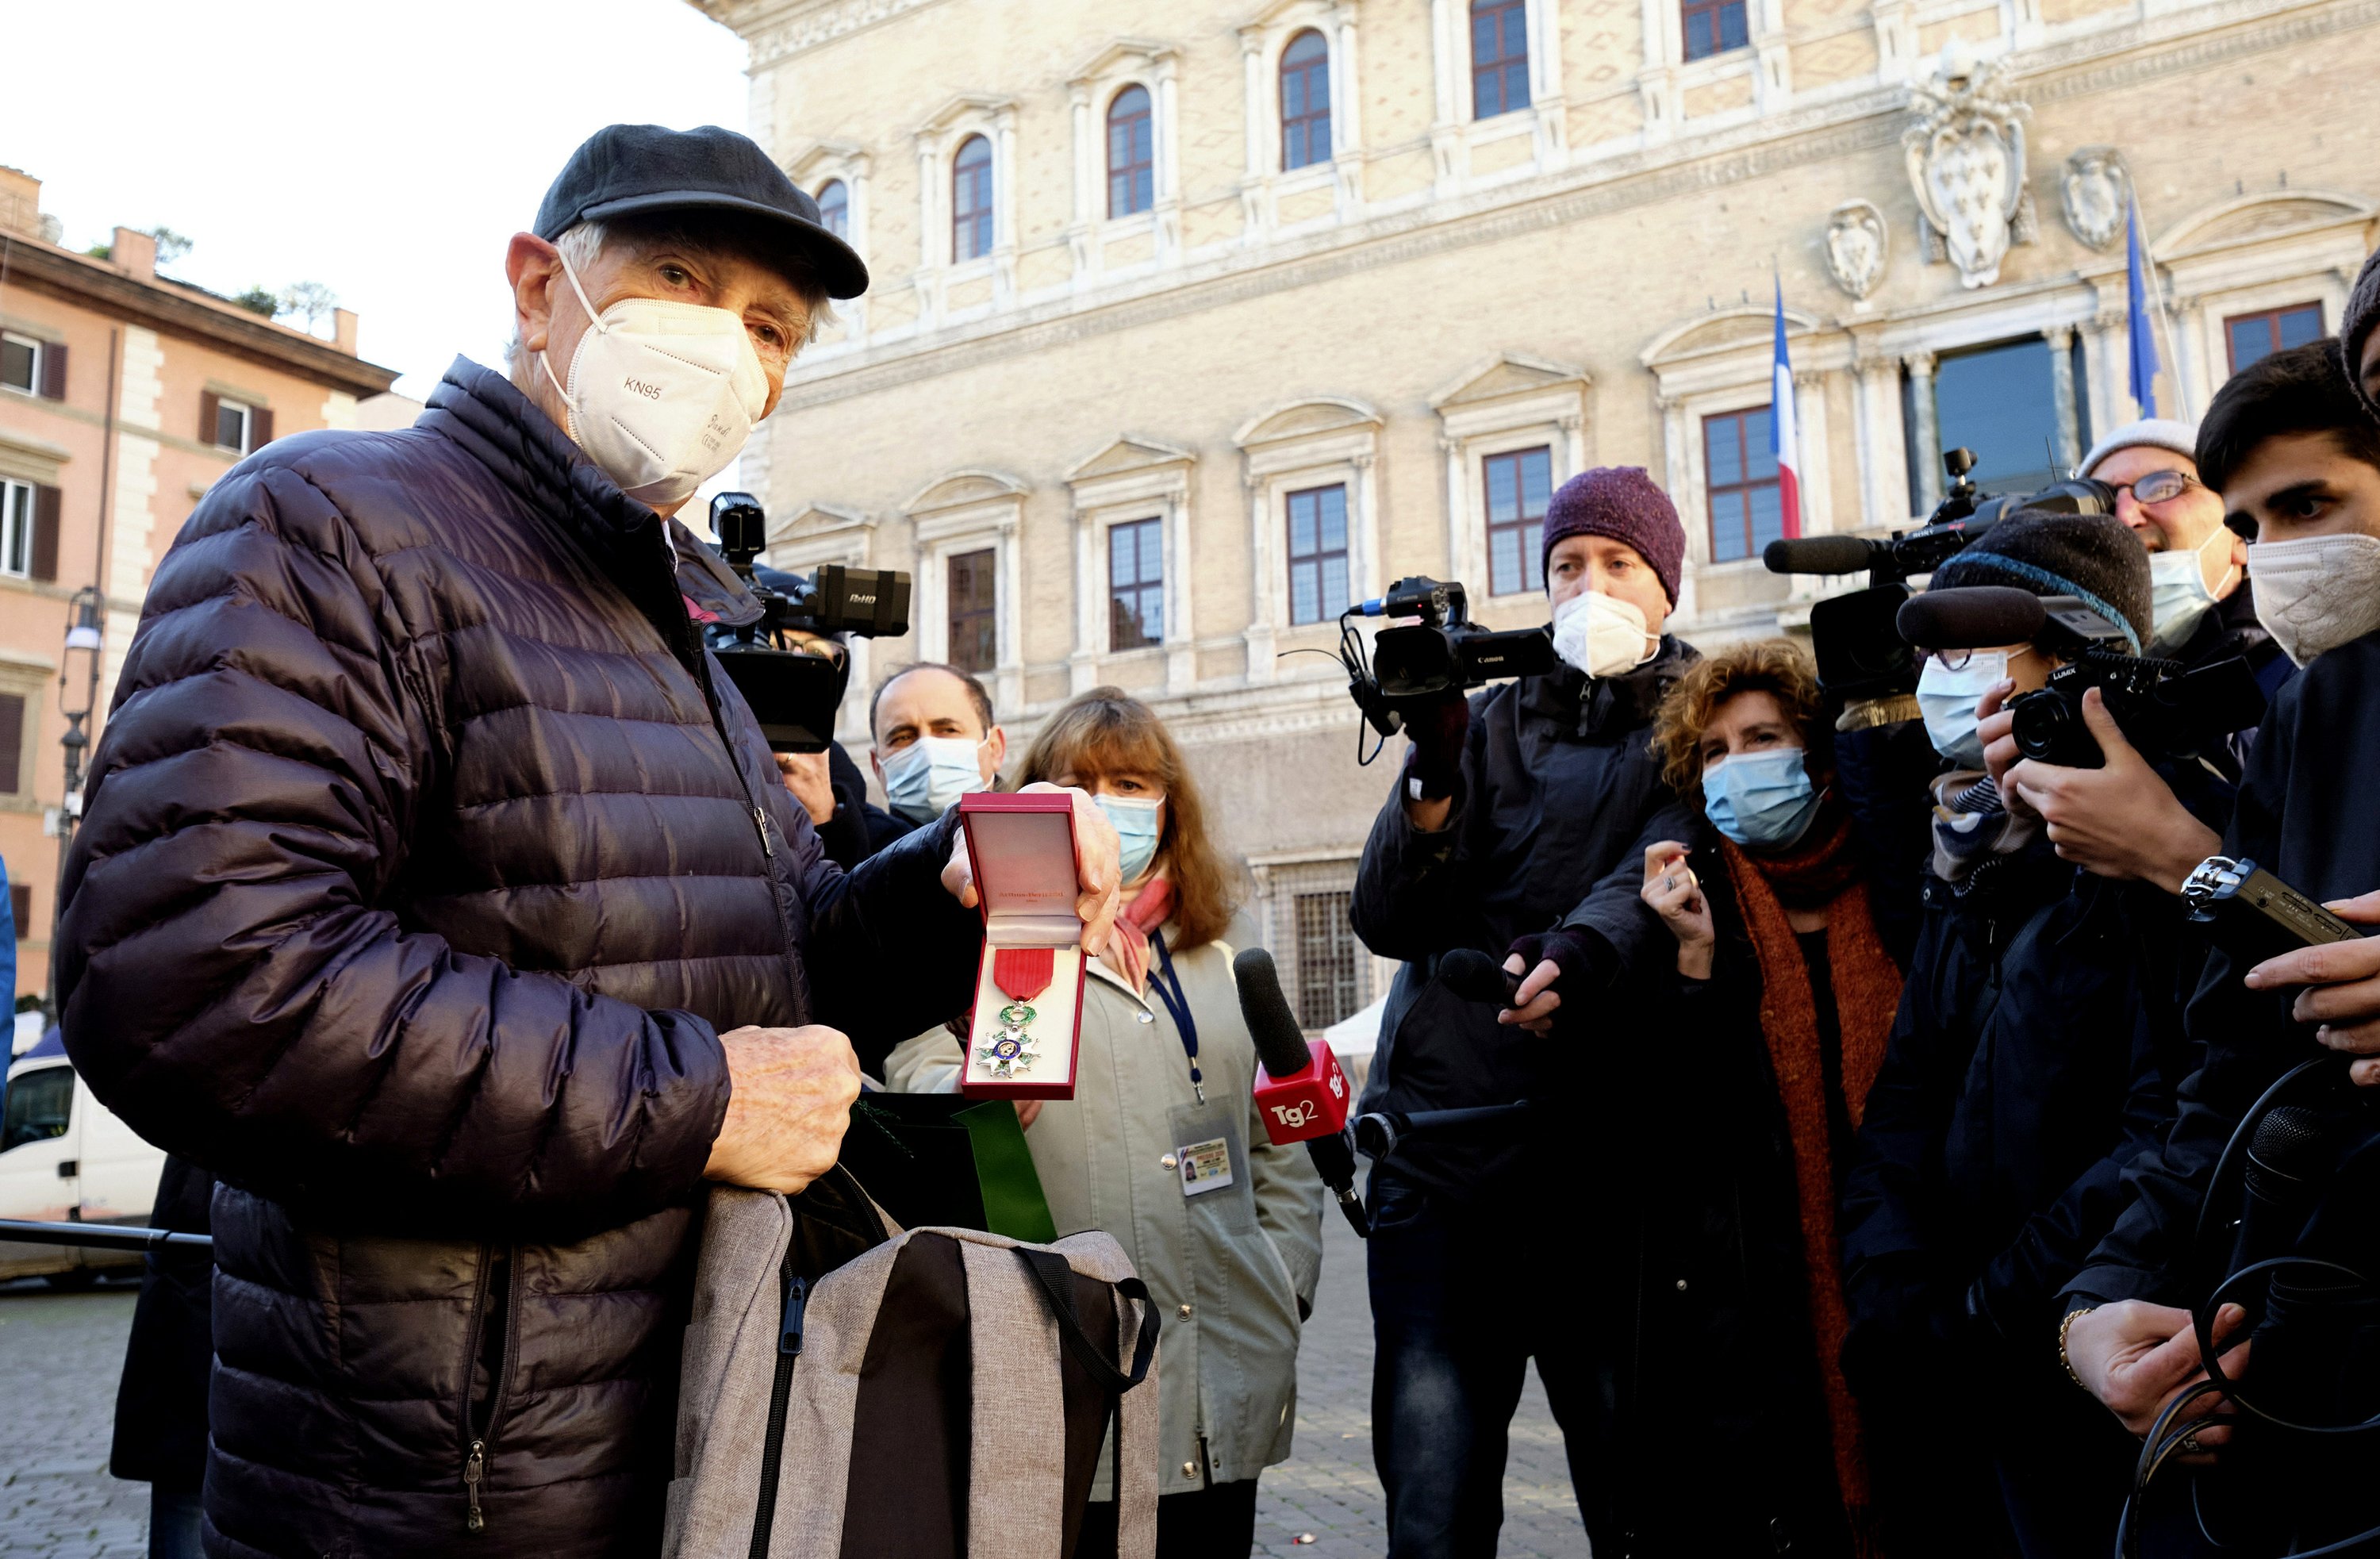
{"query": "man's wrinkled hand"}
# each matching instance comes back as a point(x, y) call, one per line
point(1098, 874)
point(790, 1098)
point(2120, 821)
point(2135, 1357)
point(805, 775)
point(2343, 981)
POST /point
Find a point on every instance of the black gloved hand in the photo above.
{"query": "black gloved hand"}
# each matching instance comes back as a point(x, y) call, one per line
point(1437, 730)
point(1584, 959)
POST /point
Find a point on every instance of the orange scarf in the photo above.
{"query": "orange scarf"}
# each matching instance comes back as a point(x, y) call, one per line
point(1867, 993)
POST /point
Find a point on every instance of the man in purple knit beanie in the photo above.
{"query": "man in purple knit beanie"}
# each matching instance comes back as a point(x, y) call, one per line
point(1518, 828)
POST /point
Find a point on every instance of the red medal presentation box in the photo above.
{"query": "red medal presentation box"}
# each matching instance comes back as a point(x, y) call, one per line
point(1028, 996)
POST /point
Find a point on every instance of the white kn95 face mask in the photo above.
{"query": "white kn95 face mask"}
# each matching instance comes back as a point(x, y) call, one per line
point(661, 394)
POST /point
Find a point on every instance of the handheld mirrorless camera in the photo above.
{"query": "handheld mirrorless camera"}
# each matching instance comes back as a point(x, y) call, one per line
point(1443, 651)
point(793, 686)
point(2163, 708)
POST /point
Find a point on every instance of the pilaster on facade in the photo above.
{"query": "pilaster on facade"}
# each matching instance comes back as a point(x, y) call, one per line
point(1092, 91)
point(1128, 481)
point(1880, 440)
point(824, 163)
point(1499, 405)
point(968, 511)
point(937, 142)
point(1926, 440)
point(1897, 56)
point(1314, 443)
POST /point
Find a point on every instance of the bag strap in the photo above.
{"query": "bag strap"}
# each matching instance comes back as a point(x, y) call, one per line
point(1056, 1277)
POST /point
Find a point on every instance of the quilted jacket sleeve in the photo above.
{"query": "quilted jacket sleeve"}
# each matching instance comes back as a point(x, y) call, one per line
point(232, 986)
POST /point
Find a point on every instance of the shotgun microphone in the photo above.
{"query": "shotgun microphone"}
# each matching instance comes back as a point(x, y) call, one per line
point(1301, 1093)
point(1475, 977)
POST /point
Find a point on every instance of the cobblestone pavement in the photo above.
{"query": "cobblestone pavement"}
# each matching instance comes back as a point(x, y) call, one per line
point(60, 1353)
point(1327, 1487)
point(59, 1358)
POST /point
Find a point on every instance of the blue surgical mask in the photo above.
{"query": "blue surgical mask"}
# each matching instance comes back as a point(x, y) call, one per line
point(1762, 800)
point(1139, 823)
point(1947, 698)
point(924, 779)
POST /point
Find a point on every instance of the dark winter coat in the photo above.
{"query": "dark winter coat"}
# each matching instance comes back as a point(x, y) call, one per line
point(859, 828)
point(1559, 797)
point(160, 1401)
point(426, 856)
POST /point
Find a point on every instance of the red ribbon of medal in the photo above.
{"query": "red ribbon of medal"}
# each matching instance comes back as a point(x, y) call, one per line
point(1023, 973)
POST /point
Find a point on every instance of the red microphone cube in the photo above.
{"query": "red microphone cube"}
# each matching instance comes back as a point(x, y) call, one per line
point(1309, 1104)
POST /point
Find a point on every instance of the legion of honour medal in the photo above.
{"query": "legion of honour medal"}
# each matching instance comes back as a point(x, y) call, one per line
point(1021, 973)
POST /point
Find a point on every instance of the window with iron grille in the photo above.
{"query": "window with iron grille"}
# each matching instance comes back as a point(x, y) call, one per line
point(1330, 976)
point(834, 208)
point(1317, 553)
point(1135, 584)
point(2267, 331)
point(971, 200)
point(1519, 484)
point(1714, 27)
point(1131, 153)
point(1304, 102)
point(1499, 56)
point(1747, 507)
point(973, 611)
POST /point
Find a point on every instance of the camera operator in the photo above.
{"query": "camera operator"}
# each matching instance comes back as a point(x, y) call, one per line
point(1512, 809)
point(2294, 452)
point(2035, 1052)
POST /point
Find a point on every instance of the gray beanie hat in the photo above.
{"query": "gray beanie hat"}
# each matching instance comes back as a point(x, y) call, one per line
point(2094, 557)
point(2149, 433)
point(2363, 312)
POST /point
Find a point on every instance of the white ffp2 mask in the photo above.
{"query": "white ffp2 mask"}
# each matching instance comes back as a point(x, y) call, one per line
point(661, 394)
point(1602, 635)
point(2318, 592)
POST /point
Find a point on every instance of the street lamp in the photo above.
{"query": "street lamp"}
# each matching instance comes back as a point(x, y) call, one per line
point(83, 639)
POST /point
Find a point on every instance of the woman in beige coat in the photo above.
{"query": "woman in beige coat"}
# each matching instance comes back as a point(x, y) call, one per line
point(1161, 1145)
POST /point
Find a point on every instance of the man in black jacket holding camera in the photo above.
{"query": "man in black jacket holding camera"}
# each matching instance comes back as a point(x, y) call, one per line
point(1518, 828)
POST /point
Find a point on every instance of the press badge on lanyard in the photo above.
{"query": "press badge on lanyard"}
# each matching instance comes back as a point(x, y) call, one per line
point(1203, 1138)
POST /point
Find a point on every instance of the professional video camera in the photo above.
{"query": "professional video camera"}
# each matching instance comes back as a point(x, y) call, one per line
point(1860, 653)
point(1444, 652)
point(793, 691)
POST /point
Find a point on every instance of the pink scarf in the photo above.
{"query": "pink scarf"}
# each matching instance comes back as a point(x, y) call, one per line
point(1127, 951)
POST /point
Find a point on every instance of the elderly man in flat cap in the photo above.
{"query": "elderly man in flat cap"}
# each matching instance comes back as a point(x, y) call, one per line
point(439, 896)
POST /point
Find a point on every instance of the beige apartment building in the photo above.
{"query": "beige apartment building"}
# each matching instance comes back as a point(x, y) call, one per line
point(124, 395)
point(1195, 319)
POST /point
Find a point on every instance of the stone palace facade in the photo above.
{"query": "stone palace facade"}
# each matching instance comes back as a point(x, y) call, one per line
point(1195, 319)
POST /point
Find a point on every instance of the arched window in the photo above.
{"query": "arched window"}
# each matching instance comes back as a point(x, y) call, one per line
point(1131, 153)
point(1499, 56)
point(971, 200)
point(834, 207)
point(1304, 101)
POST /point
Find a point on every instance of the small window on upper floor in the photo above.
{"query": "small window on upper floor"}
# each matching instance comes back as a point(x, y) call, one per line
point(21, 362)
point(1304, 102)
point(1714, 27)
point(972, 620)
point(2267, 331)
point(971, 225)
point(834, 207)
point(1499, 56)
point(16, 531)
point(1318, 553)
point(1131, 153)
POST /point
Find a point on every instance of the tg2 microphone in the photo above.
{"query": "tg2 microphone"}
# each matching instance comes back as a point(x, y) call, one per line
point(1301, 1093)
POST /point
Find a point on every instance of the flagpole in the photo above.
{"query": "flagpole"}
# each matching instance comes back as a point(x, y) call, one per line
point(2164, 315)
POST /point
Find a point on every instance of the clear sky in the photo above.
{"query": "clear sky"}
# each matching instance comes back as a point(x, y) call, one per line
point(386, 152)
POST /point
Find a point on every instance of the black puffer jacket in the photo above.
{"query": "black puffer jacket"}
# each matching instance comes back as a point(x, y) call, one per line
point(426, 856)
point(1561, 793)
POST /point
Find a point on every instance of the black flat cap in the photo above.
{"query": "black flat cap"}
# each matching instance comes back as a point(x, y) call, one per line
point(626, 170)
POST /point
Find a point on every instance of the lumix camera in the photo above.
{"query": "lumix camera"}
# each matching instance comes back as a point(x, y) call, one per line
point(793, 686)
point(1860, 652)
point(1444, 652)
point(2163, 708)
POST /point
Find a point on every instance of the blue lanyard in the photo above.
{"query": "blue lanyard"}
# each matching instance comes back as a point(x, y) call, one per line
point(1177, 1005)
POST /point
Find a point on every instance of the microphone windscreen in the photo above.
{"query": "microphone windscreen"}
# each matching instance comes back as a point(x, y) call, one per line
point(1281, 1044)
point(2290, 1141)
point(1818, 554)
point(1472, 976)
point(1971, 617)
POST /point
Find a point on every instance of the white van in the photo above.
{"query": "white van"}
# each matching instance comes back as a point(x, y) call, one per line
point(65, 1158)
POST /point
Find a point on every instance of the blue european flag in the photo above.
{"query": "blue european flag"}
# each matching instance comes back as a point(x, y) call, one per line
point(2144, 334)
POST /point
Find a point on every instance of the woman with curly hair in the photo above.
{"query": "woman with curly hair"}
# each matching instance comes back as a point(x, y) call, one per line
point(1785, 993)
point(1161, 1145)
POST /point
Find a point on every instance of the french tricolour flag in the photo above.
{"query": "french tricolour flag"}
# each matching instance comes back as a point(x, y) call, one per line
point(1784, 428)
